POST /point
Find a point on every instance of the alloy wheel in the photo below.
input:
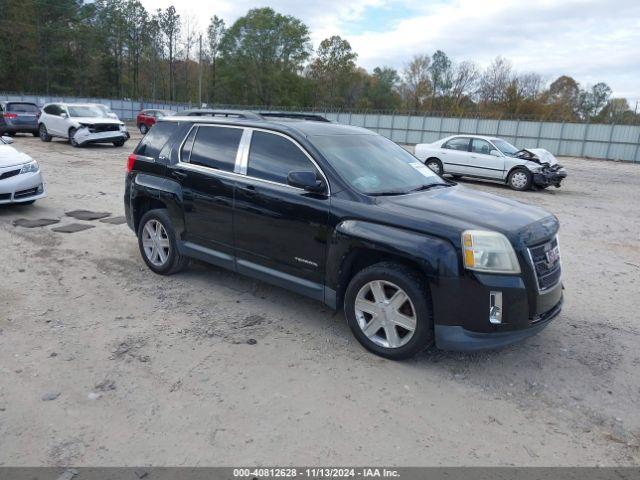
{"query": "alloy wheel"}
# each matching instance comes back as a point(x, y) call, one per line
point(155, 243)
point(435, 166)
point(385, 314)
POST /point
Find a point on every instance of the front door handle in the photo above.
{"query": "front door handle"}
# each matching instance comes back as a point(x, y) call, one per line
point(179, 175)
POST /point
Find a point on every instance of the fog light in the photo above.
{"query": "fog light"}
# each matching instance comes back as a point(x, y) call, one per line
point(495, 307)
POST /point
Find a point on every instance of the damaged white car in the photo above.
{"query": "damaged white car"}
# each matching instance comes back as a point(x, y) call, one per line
point(493, 159)
point(20, 177)
point(81, 124)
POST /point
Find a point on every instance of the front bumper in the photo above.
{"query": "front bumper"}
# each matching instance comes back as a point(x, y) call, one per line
point(549, 177)
point(84, 137)
point(457, 338)
point(22, 188)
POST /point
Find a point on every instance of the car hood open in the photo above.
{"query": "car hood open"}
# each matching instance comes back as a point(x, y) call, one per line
point(459, 208)
point(9, 156)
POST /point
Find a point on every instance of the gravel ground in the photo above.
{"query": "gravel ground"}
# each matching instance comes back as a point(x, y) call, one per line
point(104, 363)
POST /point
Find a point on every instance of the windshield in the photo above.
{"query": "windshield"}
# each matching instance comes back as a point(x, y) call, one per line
point(375, 165)
point(22, 108)
point(86, 111)
point(505, 147)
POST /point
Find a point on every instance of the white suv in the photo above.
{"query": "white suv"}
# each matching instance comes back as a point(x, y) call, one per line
point(81, 124)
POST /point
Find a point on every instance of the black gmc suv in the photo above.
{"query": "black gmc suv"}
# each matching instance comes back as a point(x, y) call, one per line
point(347, 217)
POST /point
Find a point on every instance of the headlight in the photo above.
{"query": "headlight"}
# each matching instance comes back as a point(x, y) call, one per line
point(30, 167)
point(488, 252)
point(123, 127)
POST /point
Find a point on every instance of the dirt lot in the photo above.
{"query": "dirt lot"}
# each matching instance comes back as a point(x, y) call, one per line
point(157, 370)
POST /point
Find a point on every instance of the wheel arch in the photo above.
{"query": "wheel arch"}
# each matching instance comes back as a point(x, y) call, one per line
point(359, 244)
point(519, 166)
point(149, 192)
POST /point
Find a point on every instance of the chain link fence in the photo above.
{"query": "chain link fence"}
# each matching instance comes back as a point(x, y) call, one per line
point(595, 140)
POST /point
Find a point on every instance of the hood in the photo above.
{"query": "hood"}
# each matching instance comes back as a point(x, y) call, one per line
point(94, 120)
point(9, 156)
point(538, 155)
point(455, 209)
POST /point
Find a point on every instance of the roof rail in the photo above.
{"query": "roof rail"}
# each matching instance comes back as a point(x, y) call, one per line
point(208, 112)
point(299, 116)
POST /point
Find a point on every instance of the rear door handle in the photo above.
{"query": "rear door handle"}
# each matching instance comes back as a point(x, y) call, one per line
point(179, 175)
point(249, 190)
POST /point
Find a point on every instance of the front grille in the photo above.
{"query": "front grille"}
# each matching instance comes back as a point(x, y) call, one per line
point(11, 173)
point(26, 193)
point(546, 263)
point(104, 127)
point(5, 196)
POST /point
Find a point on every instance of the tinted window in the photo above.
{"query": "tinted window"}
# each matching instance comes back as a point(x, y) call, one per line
point(272, 157)
point(216, 147)
point(458, 143)
point(22, 107)
point(188, 145)
point(52, 109)
point(481, 146)
point(152, 142)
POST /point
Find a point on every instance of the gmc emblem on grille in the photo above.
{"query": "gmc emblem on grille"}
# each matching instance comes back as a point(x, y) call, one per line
point(553, 255)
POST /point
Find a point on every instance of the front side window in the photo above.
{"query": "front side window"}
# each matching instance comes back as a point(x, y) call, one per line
point(216, 147)
point(272, 157)
point(53, 109)
point(481, 146)
point(505, 147)
point(374, 165)
point(458, 143)
point(88, 111)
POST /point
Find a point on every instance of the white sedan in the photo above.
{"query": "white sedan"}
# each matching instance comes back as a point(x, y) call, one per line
point(492, 158)
point(20, 177)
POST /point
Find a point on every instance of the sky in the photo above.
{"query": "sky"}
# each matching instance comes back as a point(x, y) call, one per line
point(590, 40)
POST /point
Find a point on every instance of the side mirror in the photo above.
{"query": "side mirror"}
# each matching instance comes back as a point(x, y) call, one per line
point(64, 115)
point(306, 180)
point(7, 140)
point(495, 153)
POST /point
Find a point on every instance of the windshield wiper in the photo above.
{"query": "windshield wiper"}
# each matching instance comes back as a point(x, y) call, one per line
point(388, 193)
point(428, 186)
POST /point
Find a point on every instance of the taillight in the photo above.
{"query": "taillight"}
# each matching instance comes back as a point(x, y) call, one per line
point(130, 161)
point(10, 115)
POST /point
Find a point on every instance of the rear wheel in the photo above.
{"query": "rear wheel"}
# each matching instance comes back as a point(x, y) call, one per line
point(520, 179)
point(118, 143)
point(143, 129)
point(43, 134)
point(387, 308)
point(35, 134)
point(158, 244)
point(435, 165)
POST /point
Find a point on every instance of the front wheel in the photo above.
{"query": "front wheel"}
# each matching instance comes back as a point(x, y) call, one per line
point(72, 139)
point(520, 179)
point(158, 244)
point(387, 308)
point(118, 143)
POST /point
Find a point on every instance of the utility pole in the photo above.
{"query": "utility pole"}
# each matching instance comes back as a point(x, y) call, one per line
point(200, 72)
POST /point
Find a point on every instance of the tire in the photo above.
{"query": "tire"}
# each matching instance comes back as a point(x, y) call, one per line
point(520, 179)
point(143, 129)
point(456, 177)
point(118, 143)
point(11, 134)
point(43, 133)
point(35, 134)
point(392, 277)
point(72, 141)
point(435, 165)
point(173, 260)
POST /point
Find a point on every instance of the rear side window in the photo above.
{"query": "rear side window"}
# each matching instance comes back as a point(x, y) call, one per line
point(22, 108)
point(216, 147)
point(152, 142)
point(272, 157)
point(459, 143)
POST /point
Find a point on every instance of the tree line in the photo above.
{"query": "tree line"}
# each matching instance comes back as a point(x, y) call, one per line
point(119, 49)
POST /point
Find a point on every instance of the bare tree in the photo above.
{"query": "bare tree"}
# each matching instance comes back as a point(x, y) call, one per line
point(495, 81)
point(416, 87)
point(465, 80)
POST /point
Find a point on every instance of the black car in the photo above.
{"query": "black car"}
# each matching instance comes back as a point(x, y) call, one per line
point(347, 217)
point(19, 117)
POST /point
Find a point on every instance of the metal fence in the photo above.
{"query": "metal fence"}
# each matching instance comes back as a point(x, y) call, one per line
point(595, 140)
